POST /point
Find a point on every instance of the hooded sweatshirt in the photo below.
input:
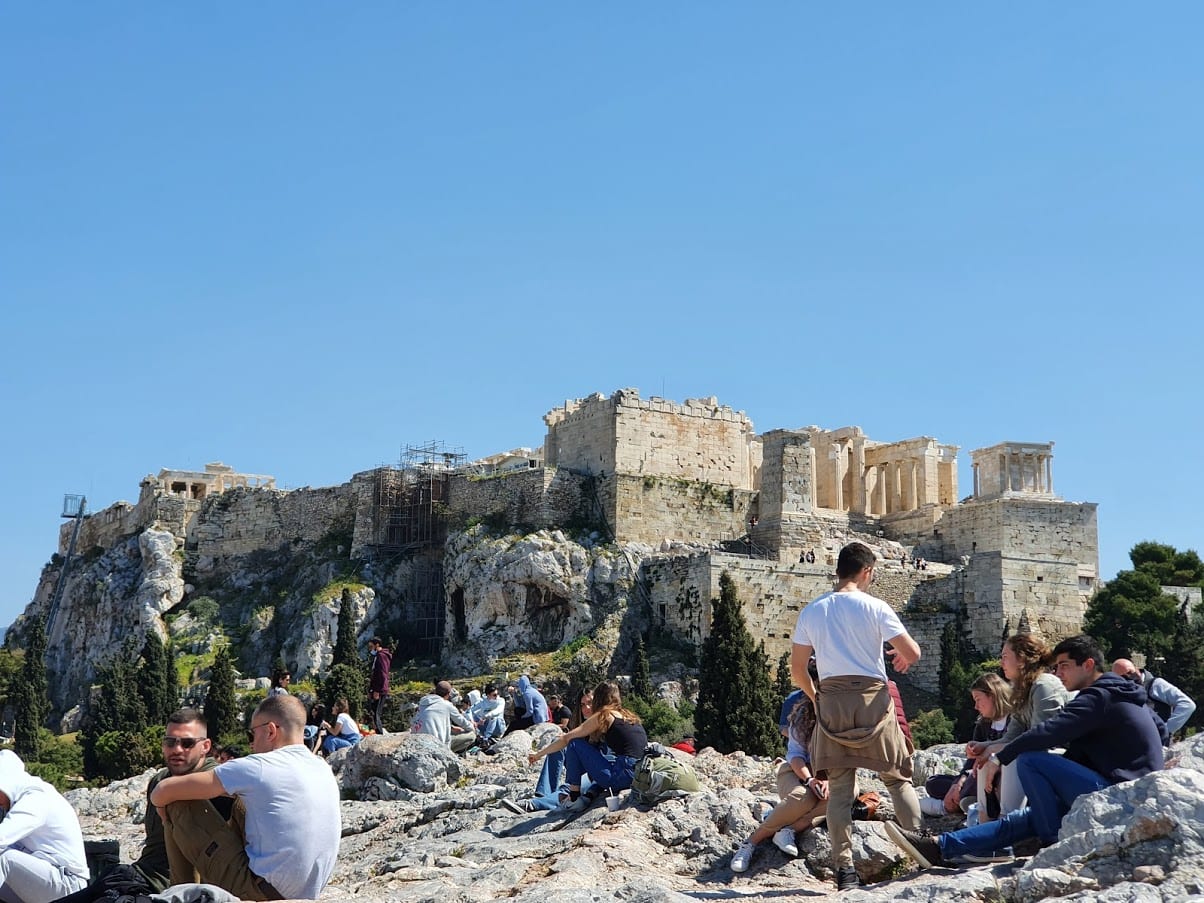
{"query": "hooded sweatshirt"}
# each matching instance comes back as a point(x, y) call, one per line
point(435, 716)
point(1106, 727)
point(535, 706)
point(40, 821)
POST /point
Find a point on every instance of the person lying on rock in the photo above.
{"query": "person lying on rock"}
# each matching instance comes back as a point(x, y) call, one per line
point(610, 724)
point(283, 837)
point(41, 846)
point(186, 748)
point(1109, 735)
point(803, 794)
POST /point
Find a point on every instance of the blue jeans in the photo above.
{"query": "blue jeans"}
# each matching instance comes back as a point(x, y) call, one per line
point(583, 758)
point(1052, 783)
point(338, 741)
point(549, 775)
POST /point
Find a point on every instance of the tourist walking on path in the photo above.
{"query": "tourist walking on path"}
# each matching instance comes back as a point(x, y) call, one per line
point(856, 723)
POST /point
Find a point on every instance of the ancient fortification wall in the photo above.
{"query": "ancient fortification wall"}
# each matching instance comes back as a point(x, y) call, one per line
point(653, 509)
point(242, 521)
point(537, 498)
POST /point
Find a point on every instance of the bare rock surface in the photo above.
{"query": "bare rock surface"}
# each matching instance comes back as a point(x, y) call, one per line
point(454, 842)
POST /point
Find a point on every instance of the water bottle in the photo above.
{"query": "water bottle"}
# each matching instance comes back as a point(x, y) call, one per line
point(972, 815)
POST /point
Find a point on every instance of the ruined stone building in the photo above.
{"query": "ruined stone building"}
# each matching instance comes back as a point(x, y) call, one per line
point(704, 493)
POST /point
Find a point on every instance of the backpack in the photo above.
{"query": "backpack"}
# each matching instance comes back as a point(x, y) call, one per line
point(1160, 708)
point(661, 777)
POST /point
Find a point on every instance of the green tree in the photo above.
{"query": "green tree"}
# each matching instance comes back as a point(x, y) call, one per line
point(1132, 614)
point(157, 680)
point(1167, 565)
point(115, 705)
point(783, 683)
point(345, 682)
point(345, 650)
point(930, 728)
point(31, 698)
point(735, 707)
point(221, 701)
point(641, 673)
point(1184, 662)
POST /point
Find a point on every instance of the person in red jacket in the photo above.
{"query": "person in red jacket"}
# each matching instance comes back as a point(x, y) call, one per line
point(378, 682)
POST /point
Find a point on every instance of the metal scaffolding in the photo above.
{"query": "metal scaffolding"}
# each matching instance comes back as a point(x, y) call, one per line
point(410, 500)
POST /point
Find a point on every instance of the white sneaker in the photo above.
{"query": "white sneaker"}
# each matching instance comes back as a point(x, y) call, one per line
point(784, 841)
point(743, 856)
point(933, 807)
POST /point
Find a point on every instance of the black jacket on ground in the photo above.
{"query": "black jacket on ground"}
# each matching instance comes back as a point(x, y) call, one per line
point(1106, 727)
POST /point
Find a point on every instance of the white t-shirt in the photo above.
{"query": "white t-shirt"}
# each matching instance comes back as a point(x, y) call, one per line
point(293, 821)
point(346, 725)
point(847, 631)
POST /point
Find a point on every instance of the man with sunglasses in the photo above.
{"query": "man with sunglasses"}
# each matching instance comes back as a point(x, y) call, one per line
point(186, 748)
point(284, 837)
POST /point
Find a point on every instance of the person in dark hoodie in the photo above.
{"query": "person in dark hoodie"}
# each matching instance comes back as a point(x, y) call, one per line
point(1109, 734)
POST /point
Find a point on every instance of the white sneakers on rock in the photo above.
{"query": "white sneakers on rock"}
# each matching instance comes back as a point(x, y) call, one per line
point(784, 841)
point(743, 856)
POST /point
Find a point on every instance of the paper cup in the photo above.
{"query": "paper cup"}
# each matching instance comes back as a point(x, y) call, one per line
point(613, 802)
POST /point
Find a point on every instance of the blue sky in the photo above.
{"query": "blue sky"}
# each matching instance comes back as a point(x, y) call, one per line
point(294, 237)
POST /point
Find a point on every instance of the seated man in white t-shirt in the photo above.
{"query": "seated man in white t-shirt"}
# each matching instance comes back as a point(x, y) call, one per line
point(287, 846)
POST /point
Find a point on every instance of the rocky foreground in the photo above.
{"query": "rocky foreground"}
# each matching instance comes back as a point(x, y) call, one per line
point(421, 824)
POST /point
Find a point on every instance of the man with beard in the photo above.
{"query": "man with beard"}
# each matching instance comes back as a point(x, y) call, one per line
point(186, 747)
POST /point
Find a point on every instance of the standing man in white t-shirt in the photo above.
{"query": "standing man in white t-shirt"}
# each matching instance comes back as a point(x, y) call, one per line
point(856, 725)
point(287, 847)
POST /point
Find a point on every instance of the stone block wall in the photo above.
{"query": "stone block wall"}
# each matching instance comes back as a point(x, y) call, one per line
point(1030, 560)
point(538, 498)
point(651, 509)
point(699, 440)
point(242, 521)
point(105, 528)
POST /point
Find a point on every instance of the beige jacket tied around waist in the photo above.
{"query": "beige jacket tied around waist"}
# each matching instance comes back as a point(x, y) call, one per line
point(856, 727)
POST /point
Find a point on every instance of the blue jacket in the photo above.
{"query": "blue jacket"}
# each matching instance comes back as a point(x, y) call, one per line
point(1106, 727)
point(534, 705)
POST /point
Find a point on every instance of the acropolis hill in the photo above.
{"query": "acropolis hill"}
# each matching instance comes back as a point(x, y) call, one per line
point(624, 519)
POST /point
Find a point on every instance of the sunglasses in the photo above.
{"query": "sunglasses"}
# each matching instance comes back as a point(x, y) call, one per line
point(186, 742)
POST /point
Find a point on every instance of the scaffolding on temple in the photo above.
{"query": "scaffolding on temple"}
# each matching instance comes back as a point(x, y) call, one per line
point(411, 499)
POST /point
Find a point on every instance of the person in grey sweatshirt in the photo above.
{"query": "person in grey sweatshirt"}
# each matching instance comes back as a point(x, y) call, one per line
point(440, 718)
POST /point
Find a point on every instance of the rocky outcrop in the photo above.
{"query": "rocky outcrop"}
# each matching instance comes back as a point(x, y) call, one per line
point(453, 843)
point(534, 593)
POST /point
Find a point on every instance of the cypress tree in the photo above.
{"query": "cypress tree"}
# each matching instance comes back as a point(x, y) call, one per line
point(115, 705)
point(345, 650)
point(31, 695)
point(783, 684)
point(221, 701)
point(736, 709)
point(641, 674)
point(157, 680)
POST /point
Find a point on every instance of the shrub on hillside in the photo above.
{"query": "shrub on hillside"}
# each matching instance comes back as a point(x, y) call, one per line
point(931, 728)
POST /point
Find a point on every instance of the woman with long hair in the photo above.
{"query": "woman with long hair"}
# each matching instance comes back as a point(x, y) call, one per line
point(610, 724)
point(803, 793)
point(1036, 697)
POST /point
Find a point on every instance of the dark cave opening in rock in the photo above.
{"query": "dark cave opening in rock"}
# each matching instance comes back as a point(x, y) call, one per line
point(546, 614)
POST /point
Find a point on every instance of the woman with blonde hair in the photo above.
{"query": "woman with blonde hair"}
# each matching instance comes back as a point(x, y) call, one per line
point(1035, 698)
point(617, 728)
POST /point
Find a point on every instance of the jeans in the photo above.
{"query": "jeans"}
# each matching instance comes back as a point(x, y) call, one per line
point(549, 775)
point(583, 758)
point(338, 741)
point(1052, 783)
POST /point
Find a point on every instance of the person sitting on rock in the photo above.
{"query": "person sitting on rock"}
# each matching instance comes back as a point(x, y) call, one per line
point(949, 794)
point(315, 730)
point(803, 794)
point(1109, 735)
point(1172, 705)
point(489, 716)
point(281, 680)
point(610, 724)
point(440, 718)
point(344, 732)
point(41, 845)
point(186, 748)
point(530, 707)
point(283, 839)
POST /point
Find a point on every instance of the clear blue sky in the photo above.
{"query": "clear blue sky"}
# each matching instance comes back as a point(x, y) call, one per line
point(294, 237)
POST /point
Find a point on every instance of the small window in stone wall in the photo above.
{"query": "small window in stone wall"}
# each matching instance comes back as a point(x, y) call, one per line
point(1040, 579)
point(664, 612)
